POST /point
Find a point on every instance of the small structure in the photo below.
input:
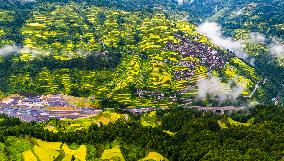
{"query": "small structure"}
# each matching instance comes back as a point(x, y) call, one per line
point(140, 110)
point(32, 102)
point(218, 110)
point(57, 100)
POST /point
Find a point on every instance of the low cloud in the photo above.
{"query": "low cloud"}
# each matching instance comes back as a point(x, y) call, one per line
point(9, 49)
point(214, 88)
point(13, 49)
point(180, 2)
point(252, 61)
point(34, 52)
point(257, 37)
point(277, 49)
point(26, 1)
point(214, 32)
point(239, 12)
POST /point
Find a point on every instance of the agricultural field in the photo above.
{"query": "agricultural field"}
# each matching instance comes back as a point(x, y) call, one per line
point(154, 156)
point(79, 101)
point(32, 149)
point(38, 150)
point(113, 154)
point(230, 122)
point(156, 135)
point(49, 151)
point(99, 80)
point(79, 154)
point(69, 125)
point(130, 59)
point(6, 17)
point(151, 120)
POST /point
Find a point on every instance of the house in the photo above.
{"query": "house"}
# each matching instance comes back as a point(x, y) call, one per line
point(32, 102)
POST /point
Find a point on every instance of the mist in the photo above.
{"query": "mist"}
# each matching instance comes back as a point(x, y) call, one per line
point(213, 87)
point(214, 32)
point(277, 49)
point(8, 49)
point(257, 37)
point(26, 1)
point(180, 2)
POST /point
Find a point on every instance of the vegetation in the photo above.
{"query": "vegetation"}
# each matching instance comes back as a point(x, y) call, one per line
point(252, 134)
point(113, 154)
point(70, 125)
point(154, 156)
point(115, 57)
point(116, 54)
point(239, 19)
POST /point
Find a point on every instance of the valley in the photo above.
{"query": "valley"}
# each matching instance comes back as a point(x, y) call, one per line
point(43, 108)
point(128, 80)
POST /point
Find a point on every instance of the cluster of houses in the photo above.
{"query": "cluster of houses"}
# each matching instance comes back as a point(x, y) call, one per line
point(140, 110)
point(32, 114)
point(34, 101)
point(158, 96)
point(218, 110)
point(38, 108)
point(195, 54)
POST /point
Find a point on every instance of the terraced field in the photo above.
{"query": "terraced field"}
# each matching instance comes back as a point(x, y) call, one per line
point(6, 17)
point(230, 122)
point(50, 151)
point(131, 59)
point(103, 118)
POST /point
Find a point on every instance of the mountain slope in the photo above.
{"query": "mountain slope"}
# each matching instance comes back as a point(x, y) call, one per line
point(129, 58)
point(259, 25)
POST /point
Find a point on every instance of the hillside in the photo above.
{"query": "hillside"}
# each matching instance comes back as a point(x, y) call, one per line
point(128, 80)
point(258, 24)
point(117, 57)
point(173, 134)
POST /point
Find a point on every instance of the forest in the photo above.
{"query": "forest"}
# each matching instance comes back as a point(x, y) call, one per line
point(174, 134)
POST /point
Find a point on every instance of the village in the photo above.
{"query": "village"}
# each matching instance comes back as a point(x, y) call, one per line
point(43, 108)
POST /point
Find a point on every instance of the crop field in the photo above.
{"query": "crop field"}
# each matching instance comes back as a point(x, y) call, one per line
point(43, 155)
point(231, 122)
point(103, 118)
point(6, 17)
point(29, 156)
point(79, 154)
point(51, 151)
point(154, 156)
point(48, 145)
point(169, 132)
point(104, 56)
point(113, 154)
point(150, 120)
point(78, 101)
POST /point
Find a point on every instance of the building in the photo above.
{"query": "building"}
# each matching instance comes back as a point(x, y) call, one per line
point(32, 102)
point(218, 110)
